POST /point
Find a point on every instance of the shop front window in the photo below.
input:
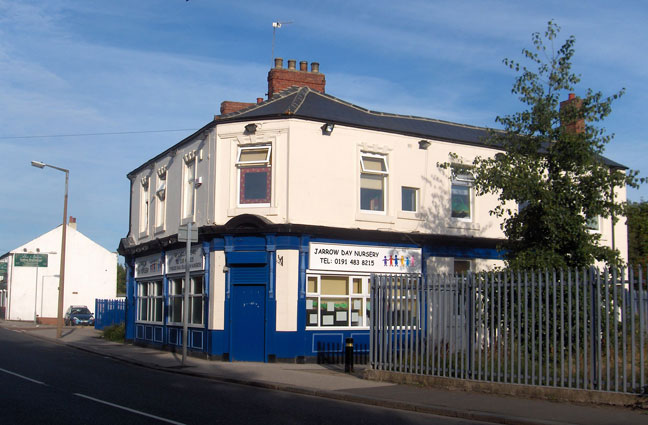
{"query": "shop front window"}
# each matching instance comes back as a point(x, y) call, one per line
point(196, 301)
point(149, 301)
point(337, 301)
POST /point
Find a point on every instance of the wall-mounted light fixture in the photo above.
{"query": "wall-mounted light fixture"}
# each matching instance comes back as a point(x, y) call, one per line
point(424, 144)
point(251, 128)
point(327, 128)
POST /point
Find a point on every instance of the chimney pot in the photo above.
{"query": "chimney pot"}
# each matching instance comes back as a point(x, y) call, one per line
point(572, 96)
point(259, 99)
point(281, 79)
point(303, 66)
point(278, 63)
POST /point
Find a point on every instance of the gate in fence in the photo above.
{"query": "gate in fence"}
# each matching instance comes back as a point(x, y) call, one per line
point(109, 312)
point(581, 329)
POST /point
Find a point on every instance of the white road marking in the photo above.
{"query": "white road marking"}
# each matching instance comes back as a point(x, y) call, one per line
point(21, 376)
point(129, 409)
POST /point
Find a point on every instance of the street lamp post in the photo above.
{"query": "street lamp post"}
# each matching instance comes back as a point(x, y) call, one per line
point(59, 319)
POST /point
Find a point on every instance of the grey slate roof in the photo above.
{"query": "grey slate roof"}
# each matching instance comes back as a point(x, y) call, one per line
point(309, 104)
point(303, 102)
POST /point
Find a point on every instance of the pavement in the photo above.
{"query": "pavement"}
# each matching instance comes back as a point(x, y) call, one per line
point(331, 382)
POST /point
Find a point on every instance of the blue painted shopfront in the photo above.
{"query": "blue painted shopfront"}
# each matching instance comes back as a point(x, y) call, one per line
point(249, 332)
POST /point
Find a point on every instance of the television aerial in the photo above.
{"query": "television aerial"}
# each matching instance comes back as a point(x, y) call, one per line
point(276, 25)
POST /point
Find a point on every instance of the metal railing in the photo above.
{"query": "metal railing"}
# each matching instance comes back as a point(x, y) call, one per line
point(109, 312)
point(582, 329)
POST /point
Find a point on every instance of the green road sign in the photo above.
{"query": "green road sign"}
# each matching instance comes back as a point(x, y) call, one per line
point(30, 260)
point(3, 268)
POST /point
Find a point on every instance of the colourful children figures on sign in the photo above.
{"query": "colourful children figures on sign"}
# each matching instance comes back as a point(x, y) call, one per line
point(395, 261)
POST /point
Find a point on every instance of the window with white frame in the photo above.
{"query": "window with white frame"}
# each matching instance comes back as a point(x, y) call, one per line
point(196, 300)
point(255, 175)
point(144, 205)
point(461, 194)
point(373, 182)
point(337, 301)
point(409, 199)
point(593, 223)
point(189, 187)
point(461, 266)
point(150, 299)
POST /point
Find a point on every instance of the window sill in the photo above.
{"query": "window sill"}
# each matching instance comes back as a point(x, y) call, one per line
point(337, 328)
point(260, 210)
point(187, 220)
point(410, 215)
point(142, 235)
point(145, 322)
point(189, 325)
point(464, 225)
point(160, 229)
point(376, 218)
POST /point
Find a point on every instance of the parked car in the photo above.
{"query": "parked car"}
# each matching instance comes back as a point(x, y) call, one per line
point(79, 315)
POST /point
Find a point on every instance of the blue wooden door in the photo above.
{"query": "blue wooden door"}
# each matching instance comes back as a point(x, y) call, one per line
point(248, 323)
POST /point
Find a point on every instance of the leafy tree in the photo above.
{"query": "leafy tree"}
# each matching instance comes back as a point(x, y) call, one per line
point(637, 213)
point(551, 177)
point(121, 279)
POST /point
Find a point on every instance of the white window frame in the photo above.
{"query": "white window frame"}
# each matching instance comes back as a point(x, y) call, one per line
point(464, 180)
point(416, 199)
point(384, 174)
point(189, 189)
point(149, 301)
point(470, 264)
point(246, 165)
point(242, 149)
point(317, 296)
point(194, 298)
point(591, 228)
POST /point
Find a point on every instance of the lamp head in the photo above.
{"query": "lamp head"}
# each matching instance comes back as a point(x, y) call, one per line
point(251, 128)
point(327, 128)
point(38, 164)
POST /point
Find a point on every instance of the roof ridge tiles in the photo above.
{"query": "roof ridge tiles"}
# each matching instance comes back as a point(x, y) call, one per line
point(390, 114)
point(300, 97)
point(277, 96)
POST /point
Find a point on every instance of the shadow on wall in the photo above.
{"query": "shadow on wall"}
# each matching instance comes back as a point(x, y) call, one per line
point(436, 211)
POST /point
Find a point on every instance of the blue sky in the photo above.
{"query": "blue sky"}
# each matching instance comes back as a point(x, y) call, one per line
point(71, 67)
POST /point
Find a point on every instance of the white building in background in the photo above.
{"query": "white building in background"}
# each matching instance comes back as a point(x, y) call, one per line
point(29, 290)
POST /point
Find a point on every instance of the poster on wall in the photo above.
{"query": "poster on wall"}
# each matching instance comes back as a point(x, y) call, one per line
point(148, 266)
point(175, 260)
point(363, 258)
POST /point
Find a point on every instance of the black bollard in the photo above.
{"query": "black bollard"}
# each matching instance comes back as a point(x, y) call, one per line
point(348, 355)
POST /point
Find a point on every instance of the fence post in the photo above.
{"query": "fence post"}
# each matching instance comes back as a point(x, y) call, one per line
point(471, 324)
point(594, 331)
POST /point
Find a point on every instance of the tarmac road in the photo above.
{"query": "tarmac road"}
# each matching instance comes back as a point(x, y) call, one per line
point(46, 383)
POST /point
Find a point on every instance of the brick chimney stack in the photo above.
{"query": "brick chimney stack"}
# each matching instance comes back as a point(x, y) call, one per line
point(577, 126)
point(280, 78)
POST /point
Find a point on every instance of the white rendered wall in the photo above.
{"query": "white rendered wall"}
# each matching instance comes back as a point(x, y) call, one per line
point(217, 291)
point(316, 180)
point(286, 289)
